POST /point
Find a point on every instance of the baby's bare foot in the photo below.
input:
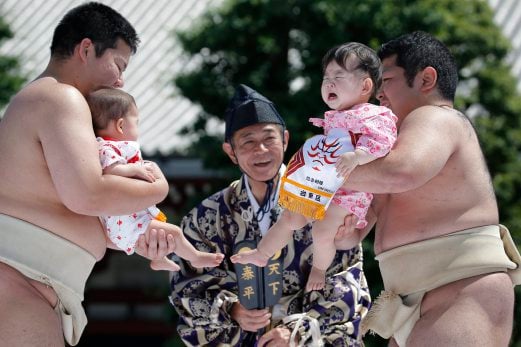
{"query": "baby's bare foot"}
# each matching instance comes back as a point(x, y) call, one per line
point(254, 257)
point(164, 264)
point(204, 259)
point(316, 279)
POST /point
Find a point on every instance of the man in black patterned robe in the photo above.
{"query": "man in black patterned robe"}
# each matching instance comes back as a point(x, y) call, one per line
point(207, 300)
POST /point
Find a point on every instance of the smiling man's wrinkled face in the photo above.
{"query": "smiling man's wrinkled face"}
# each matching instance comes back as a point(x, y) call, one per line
point(258, 150)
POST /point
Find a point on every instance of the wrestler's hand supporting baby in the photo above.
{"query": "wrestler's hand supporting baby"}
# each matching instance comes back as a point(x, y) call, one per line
point(348, 236)
point(158, 245)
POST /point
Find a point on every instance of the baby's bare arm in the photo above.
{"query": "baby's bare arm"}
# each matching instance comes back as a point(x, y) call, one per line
point(133, 170)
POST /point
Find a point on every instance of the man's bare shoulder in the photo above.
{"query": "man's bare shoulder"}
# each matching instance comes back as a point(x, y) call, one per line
point(442, 112)
point(437, 117)
point(46, 95)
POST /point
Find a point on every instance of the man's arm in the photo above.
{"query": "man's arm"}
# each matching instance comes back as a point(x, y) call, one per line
point(71, 152)
point(425, 143)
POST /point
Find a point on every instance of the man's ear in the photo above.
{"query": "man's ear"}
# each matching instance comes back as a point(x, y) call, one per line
point(429, 79)
point(227, 148)
point(85, 47)
point(286, 139)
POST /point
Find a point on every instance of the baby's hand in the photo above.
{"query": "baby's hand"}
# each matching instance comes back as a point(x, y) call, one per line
point(156, 171)
point(145, 172)
point(346, 163)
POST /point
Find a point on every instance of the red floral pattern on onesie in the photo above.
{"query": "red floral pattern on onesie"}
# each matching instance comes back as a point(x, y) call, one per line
point(124, 231)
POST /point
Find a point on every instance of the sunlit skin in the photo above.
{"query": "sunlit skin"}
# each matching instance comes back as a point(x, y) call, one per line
point(54, 180)
point(434, 182)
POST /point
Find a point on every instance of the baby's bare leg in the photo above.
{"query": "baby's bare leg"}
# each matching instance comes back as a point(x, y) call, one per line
point(324, 249)
point(277, 237)
point(164, 264)
point(185, 249)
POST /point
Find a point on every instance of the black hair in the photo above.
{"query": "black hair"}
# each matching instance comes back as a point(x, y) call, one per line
point(368, 61)
point(416, 51)
point(98, 22)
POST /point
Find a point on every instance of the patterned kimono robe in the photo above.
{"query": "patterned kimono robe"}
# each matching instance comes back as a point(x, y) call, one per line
point(203, 297)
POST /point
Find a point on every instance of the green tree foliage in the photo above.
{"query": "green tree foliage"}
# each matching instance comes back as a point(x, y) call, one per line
point(10, 78)
point(276, 47)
